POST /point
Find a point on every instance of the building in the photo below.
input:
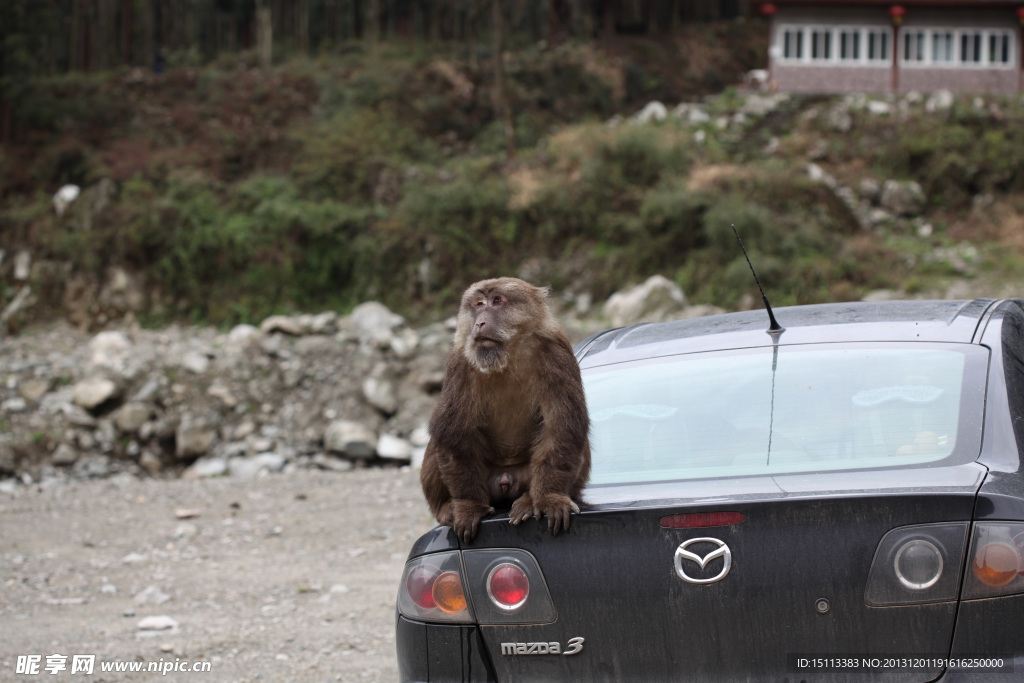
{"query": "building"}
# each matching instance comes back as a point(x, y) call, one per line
point(831, 46)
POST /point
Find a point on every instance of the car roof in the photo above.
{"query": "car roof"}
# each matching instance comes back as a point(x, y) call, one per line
point(915, 320)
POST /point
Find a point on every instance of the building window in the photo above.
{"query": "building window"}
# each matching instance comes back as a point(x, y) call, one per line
point(849, 45)
point(942, 46)
point(999, 48)
point(970, 47)
point(914, 46)
point(821, 45)
point(878, 46)
point(793, 44)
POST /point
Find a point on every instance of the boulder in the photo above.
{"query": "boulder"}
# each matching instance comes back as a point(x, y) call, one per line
point(657, 299)
point(391, 447)
point(352, 439)
point(903, 198)
point(92, 392)
point(194, 437)
point(652, 111)
point(130, 417)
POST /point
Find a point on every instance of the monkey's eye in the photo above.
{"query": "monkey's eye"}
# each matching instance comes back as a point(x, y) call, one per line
point(496, 300)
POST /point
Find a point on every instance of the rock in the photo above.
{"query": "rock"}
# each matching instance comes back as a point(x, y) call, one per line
point(221, 392)
point(653, 111)
point(196, 362)
point(272, 462)
point(150, 595)
point(158, 623)
point(380, 393)
point(22, 265)
point(93, 392)
point(244, 468)
point(330, 463)
point(8, 461)
point(839, 118)
point(420, 436)
point(394, 448)
point(194, 437)
point(870, 190)
point(64, 197)
point(109, 349)
point(34, 389)
point(241, 335)
point(657, 299)
point(90, 203)
point(903, 198)
point(940, 100)
point(281, 323)
point(351, 439)
point(150, 462)
point(207, 467)
point(760, 105)
point(417, 457)
point(14, 405)
point(373, 324)
point(879, 108)
point(130, 417)
point(64, 455)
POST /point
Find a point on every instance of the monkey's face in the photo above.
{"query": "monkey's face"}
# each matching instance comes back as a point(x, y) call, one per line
point(492, 315)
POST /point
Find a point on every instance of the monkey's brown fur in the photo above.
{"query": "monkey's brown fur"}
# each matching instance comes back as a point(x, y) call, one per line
point(512, 411)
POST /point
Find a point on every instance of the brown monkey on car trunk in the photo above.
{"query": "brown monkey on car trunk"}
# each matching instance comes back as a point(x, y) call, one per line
point(511, 424)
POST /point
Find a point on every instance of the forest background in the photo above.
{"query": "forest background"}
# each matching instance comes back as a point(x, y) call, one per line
point(244, 157)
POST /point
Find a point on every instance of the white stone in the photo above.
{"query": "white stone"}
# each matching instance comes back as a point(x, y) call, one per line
point(22, 265)
point(657, 299)
point(208, 467)
point(63, 198)
point(373, 323)
point(196, 362)
point(94, 391)
point(109, 349)
point(350, 438)
point(940, 100)
point(380, 393)
point(653, 111)
point(158, 623)
point(394, 448)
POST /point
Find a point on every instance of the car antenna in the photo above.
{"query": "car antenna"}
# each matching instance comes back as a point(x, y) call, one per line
point(774, 328)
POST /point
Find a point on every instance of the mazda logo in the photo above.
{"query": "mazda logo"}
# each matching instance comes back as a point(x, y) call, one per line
point(722, 550)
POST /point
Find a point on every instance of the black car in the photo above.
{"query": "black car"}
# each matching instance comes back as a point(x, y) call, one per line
point(839, 501)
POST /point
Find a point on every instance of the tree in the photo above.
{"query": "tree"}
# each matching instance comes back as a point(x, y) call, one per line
point(502, 106)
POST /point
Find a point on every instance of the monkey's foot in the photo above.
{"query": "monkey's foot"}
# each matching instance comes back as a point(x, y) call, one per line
point(466, 517)
point(555, 506)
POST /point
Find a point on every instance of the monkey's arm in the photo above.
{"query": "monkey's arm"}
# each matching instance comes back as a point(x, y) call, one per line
point(560, 464)
point(455, 471)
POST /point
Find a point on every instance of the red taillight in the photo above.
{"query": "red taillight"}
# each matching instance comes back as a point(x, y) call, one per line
point(508, 587)
point(996, 564)
point(695, 520)
point(420, 585)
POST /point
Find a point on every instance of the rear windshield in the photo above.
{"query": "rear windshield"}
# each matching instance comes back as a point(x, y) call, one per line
point(789, 409)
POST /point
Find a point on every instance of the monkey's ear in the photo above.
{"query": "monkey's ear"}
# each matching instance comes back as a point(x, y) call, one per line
point(545, 291)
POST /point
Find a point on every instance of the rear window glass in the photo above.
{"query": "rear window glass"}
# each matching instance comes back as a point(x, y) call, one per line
point(800, 408)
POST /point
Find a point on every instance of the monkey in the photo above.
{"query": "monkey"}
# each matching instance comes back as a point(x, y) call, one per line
point(511, 424)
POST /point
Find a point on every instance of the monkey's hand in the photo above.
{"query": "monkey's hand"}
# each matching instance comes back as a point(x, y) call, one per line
point(555, 506)
point(466, 517)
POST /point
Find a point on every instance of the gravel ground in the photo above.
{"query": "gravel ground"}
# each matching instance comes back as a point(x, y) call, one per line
point(283, 577)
